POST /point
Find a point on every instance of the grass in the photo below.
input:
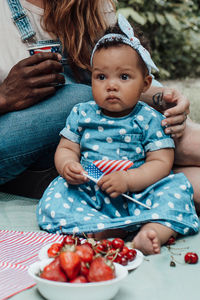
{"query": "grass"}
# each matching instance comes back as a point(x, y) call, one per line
point(191, 89)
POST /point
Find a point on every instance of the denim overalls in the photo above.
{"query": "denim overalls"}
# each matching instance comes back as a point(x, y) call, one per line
point(30, 136)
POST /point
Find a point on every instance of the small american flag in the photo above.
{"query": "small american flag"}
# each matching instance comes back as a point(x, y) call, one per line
point(102, 167)
point(109, 166)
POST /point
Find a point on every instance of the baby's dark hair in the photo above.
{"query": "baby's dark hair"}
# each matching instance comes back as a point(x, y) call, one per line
point(117, 42)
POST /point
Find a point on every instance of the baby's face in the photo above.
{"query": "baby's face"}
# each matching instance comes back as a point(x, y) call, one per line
point(117, 80)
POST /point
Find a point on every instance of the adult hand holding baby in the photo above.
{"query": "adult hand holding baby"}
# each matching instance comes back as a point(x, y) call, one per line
point(177, 113)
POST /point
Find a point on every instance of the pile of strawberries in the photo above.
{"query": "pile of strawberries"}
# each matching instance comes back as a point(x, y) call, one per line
point(86, 260)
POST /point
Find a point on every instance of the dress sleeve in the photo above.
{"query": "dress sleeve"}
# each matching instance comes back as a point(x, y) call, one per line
point(71, 131)
point(154, 135)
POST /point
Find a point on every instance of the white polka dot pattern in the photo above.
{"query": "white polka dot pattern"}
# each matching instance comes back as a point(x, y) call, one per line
point(85, 208)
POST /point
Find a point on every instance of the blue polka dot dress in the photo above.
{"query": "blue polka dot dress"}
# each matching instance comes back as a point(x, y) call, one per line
point(85, 208)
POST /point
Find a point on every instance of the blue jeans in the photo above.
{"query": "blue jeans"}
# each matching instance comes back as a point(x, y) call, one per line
point(29, 137)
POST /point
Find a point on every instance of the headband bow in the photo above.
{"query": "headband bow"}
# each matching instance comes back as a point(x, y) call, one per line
point(130, 40)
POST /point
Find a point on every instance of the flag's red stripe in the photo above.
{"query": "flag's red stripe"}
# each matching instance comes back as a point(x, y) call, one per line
point(122, 165)
point(127, 165)
point(112, 167)
point(109, 166)
point(119, 167)
point(101, 163)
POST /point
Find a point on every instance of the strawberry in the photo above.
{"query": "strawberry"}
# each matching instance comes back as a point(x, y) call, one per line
point(85, 253)
point(84, 269)
point(71, 263)
point(53, 271)
point(54, 250)
point(101, 269)
point(79, 279)
point(191, 258)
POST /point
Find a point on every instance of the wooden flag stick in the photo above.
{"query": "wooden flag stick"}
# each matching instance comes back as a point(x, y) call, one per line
point(136, 201)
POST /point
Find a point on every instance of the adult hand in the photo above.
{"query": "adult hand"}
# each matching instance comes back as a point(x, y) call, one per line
point(176, 115)
point(30, 81)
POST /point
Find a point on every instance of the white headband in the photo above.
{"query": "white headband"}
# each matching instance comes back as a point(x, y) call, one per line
point(130, 40)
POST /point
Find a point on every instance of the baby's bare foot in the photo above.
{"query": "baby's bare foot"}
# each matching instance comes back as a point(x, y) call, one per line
point(147, 241)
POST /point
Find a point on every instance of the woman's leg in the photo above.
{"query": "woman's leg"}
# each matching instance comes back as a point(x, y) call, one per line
point(31, 135)
point(151, 237)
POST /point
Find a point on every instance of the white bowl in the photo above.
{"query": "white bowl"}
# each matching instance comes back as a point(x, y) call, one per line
point(54, 290)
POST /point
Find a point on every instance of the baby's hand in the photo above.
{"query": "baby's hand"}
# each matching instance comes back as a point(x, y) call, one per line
point(73, 173)
point(114, 184)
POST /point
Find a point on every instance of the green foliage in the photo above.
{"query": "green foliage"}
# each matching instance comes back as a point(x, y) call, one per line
point(173, 28)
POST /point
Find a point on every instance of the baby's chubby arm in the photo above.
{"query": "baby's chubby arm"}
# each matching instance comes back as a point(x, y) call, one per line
point(158, 165)
point(67, 162)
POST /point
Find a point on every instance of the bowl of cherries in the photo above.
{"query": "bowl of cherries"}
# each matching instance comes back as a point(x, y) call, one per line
point(114, 250)
point(82, 268)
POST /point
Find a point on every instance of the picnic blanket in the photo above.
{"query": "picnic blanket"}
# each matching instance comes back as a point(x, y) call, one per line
point(18, 250)
point(155, 279)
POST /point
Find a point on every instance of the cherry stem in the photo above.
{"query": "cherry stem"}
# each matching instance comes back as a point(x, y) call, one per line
point(173, 259)
point(111, 253)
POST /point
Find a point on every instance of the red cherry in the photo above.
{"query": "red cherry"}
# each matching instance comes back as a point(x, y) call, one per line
point(118, 259)
point(111, 257)
point(71, 240)
point(68, 240)
point(171, 241)
point(99, 248)
point(118, 243)
point(111, 254)
point(107, 244)
point(88, 244)
point(131, 255)
point(191, 258)
point(125, 250)
point(124, 261)
point(54, 250)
